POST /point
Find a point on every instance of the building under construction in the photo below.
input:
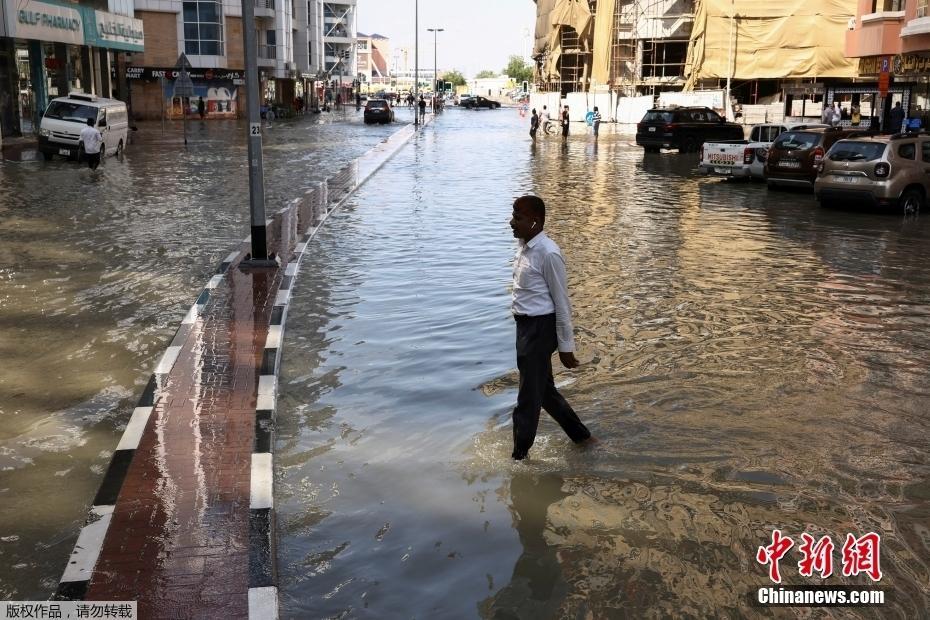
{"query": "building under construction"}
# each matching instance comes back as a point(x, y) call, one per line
point(631, 47)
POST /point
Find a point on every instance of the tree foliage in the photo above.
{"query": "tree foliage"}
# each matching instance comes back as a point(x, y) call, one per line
point(487, 73)
point(455, 77)
point(518, 70)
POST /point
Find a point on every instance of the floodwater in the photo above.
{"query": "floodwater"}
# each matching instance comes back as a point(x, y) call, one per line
point(751, 362)
point(96, 272)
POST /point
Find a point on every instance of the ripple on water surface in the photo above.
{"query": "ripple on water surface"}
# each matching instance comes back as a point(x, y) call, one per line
point(751, 362)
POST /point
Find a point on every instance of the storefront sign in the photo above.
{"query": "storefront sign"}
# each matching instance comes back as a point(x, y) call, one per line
point(29, 19)
point(78, 25)
point(118, 31)
point(153, 74)
point(902, 64)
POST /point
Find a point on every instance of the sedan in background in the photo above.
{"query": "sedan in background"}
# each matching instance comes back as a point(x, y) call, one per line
point(480, 102)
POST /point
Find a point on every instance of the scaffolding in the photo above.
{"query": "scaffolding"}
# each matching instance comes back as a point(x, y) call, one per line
point(649, 45)
point(572, 70)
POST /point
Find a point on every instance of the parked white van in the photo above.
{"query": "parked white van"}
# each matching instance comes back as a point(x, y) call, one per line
point(65, 117)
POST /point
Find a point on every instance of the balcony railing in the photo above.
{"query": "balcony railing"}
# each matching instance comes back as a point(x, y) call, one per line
point(269, 52)
point(264, 4)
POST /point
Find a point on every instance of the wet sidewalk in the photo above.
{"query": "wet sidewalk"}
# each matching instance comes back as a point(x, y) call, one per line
point(184, 520)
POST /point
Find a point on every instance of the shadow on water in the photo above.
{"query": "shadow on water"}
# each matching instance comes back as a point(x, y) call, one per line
point(536, 587)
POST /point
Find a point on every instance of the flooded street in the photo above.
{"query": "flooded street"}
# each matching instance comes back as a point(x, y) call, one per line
point(97, 271)
point(750, 362)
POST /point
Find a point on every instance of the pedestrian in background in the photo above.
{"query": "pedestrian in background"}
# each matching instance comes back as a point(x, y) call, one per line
point(596, 121)
point(545, 119)
point(565, 122)
point(534, 125)
point(897, 118)
point(91, 139)
point(543, 314)
point(201, 108)
point(422, 105)
point(827, 115)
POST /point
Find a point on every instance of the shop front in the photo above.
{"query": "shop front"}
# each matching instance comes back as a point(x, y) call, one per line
point(50, 50)
point(908, 79)
point(153, 98)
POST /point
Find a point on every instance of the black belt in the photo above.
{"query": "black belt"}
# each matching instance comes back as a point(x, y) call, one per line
point(524, 317)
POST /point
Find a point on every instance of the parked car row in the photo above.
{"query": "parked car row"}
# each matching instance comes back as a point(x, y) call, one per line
point(842, 165)
point(685, 129)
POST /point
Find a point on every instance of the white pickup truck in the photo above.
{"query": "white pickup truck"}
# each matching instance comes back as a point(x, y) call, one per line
point(745, 158)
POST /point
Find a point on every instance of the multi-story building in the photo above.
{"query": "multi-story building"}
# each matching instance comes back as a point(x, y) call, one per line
point(891, 37)
point(209, 34)
point(326, 43)
point(372, 54)
point(50, 49)
point(648, 45)
point(628, 46)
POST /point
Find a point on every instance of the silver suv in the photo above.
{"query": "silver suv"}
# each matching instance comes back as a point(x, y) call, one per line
point(883, 171)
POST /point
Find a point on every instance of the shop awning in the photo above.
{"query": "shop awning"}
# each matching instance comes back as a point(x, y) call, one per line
point(774, 39)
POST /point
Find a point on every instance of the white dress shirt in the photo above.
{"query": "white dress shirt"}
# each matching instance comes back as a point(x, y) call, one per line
point(92, 140)
point(539, 286)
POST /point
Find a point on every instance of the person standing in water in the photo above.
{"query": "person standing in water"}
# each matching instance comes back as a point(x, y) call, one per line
point(543, 314)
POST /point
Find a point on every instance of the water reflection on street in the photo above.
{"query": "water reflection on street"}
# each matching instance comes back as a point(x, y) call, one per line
point(750, 362)
point(97, 271)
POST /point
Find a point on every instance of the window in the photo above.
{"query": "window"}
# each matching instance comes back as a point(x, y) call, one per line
point(657, 117)
point(203, 28)
point(925, 151)
point(879, 6)
point(712, 116)
point(922, 8)
point(796, 141)
point(698, 116)
point(847, 150)
point(907, 151)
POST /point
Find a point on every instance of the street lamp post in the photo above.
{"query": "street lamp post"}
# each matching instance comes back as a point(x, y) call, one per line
point(435, 32)
point(416, 61)
point(256, 168)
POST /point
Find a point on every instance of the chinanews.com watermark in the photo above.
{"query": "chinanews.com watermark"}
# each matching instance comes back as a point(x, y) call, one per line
point(859, 555)
point(68, 610)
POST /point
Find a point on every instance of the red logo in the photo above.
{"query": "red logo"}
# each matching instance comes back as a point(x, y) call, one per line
point(860, 555)
point(773, 553)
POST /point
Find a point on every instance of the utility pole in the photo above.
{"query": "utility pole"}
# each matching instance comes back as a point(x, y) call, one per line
point(256, 169)
point(416, 62)
point(731, 68)
point(435, 32)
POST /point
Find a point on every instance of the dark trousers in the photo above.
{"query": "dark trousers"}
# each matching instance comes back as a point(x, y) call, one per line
point(564, 129)
point(93, 160)
point(536, 342)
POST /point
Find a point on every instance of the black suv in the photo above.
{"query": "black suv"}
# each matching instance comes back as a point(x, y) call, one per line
point(685, 129)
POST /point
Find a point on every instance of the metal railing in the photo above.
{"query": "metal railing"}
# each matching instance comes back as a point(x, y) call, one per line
point(269, 52)
point(264, 4)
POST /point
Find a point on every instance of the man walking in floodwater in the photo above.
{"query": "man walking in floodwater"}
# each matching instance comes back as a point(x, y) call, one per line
point(91, 141)
point(543, 314)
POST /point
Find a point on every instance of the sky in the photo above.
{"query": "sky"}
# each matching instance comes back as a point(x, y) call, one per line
point(479, 34)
